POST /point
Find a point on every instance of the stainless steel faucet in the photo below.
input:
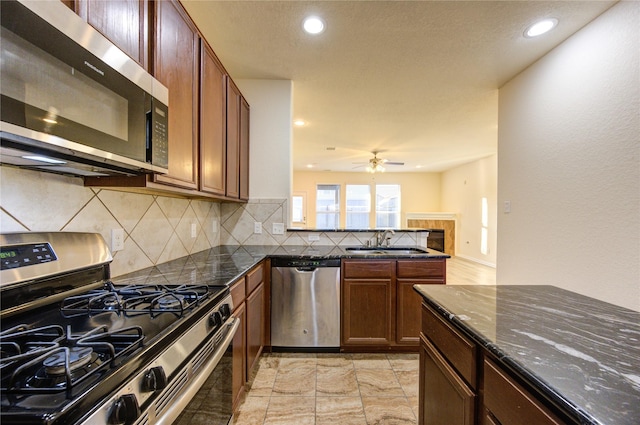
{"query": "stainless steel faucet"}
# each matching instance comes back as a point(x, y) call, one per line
point(382, 238)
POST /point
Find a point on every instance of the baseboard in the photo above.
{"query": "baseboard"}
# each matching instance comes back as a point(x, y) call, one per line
point(475, 260)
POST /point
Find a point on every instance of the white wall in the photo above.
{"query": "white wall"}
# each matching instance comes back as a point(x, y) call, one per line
point(462, 191)
point(569, 163)
point(271, 103)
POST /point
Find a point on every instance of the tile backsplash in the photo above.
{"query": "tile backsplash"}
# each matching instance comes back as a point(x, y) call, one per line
point(157, 228)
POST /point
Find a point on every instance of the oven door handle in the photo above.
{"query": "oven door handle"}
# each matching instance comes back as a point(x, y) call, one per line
point(188, 393)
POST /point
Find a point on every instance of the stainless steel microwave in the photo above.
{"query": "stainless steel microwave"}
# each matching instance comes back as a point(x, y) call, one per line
point(72, 102)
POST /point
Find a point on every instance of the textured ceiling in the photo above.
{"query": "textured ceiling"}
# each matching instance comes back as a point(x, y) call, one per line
point(415, 80)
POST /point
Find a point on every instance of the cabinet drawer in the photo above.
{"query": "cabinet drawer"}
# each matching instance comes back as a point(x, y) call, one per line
point(455, 347)
point(421, 269)
point(510, 403)
point(368, 268)
point(238, 293)
point(254, 277)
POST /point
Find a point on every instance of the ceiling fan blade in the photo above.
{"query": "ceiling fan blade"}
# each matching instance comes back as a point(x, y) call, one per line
point(393, 163)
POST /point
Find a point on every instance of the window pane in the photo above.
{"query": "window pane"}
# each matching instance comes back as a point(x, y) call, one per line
point(358, 205)
point(297, 209)
point(388, 205)
point(328, 206)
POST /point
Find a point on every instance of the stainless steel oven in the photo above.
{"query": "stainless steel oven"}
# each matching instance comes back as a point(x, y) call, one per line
point(78, 348)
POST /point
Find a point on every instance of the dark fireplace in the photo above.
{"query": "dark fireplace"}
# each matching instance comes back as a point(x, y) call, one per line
point(435, 240)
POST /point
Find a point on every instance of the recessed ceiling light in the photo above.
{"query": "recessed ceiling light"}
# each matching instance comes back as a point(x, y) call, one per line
point(310, 165)
point(313, 25)
point(299, 123)
point(540, 27)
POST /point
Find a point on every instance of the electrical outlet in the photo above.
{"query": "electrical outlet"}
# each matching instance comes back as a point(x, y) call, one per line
point(314, 238)
point(214, 226)
point(257, 227)
point(194, 230)
point(117, 240)
point(507, 207)
point(278, 229)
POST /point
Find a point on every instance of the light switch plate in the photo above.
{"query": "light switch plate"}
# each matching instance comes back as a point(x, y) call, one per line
point(194, 230)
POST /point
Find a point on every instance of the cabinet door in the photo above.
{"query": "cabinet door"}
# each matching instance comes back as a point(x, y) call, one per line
point(233, 140)
point(409, 317)
point(176, 66)
point(239, 355)
point(255, 326)
point(444, 396)
point(124, 22)
point(213, 113)
point(244, 150)
point(368, 312)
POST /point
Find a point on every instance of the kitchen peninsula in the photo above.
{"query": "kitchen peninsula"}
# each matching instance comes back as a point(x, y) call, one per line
point(527, 354)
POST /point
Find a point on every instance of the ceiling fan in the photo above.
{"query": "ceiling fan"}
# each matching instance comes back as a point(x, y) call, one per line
point(376, 165)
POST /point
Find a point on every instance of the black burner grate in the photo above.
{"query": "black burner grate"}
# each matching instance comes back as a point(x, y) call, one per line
point(46, 359)
point(135, 300)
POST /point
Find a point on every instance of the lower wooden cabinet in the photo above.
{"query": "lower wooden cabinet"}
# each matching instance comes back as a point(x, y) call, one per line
point(380, 309)
point(255, 326)
point(444, 397)
point(408, 314)
point(368, 312)
point(249, 302)
point(461, 383)
point(507, 402)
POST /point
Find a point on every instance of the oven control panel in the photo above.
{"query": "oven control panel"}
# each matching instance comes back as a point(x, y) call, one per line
point(12, 257)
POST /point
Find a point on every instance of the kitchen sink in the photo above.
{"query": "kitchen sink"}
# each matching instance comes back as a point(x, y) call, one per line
point(364, 250)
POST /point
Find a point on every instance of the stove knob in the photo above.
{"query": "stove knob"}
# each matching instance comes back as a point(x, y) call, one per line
point(125, 410)
point(155, 379)
point(226, 311)
point(215, 320)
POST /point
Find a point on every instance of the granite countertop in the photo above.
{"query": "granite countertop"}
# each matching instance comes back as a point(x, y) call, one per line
point(224, 264)
point(581, 352)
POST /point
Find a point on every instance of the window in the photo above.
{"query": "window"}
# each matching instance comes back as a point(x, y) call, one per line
point(328, 206)
point(299, 209)
point(484, 231)
point(388, 206)
point(358, 202)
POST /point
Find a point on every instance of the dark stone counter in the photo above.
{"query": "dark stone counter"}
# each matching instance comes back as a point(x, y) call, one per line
point(224, 264)
point(580, 352)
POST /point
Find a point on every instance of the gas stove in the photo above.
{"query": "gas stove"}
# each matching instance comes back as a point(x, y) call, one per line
point(77, 348)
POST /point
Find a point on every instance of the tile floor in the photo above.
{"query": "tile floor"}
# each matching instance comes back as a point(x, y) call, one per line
point(332, 389)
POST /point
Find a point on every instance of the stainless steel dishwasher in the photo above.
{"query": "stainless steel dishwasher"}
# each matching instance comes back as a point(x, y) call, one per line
point(305, 304)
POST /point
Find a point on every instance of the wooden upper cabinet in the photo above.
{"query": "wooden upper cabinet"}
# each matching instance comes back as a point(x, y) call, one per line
point(244, 150)
point(123, 22)
point(213, 108)
point(175, 64)
point(233, 140)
